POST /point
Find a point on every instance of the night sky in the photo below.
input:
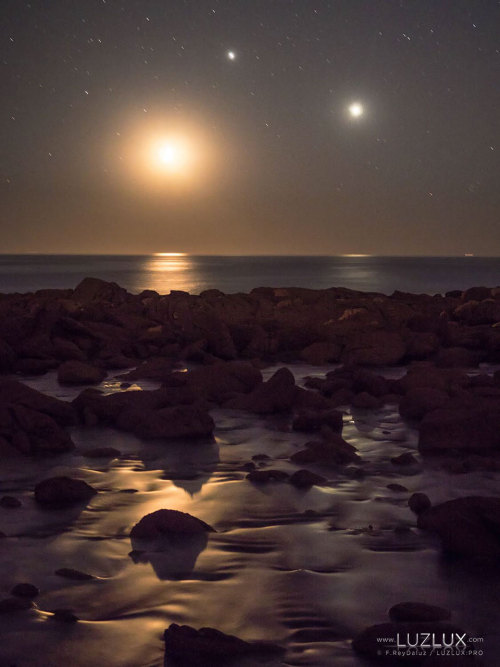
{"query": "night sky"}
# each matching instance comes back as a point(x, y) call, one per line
point(227, 127)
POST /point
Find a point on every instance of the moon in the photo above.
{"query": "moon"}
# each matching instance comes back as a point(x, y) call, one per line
point(171, 155)
point(356, 110)
point(231, 55)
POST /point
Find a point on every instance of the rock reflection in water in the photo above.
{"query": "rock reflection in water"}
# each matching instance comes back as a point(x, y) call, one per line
point(173, 557)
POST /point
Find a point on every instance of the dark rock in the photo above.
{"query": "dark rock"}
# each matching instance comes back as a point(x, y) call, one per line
point(208, 647)
point(9, 605)
point(419, 502)
point(10, 502)
point(163, 522)
point(304, 479)
point(406, 459)
point(76, 575)
point(34, 366)
point(64, 616)
point(418, 402)
point(61, 492)
point(260, 457)
point(264, 476)
point(16, 393)
point(458, 357)
point(318, 354)
point(335, 451)
point(94, 289)
point(34, 432)
point(309, 421)
point(153, 369)
point(429, 376)
point(366, 381)
point(101, 452)
point(181, 421)
point(418, 611)
point(460, 428)
point(276, 395)
point(398, 488)
point(220, 381)
point(374, 348)
point(468, 527)
point(24, 590)
point(476, 294)
point(366, 401)
point(78, 372)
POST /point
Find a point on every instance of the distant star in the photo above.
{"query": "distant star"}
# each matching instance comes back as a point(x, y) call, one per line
point(231, 55)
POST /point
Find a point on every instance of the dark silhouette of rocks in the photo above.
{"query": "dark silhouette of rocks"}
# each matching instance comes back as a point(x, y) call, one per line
point(208, 646)
point(62, 492)
point(333, 450)
point(264, 476)
point(164, 522)
point(304, 479)
point(468, 527)
point(419, 502)
point(25, 590)
point(75, 575)
point(78, 372)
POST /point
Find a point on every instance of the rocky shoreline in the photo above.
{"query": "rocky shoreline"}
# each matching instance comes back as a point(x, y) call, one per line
point(208, 352)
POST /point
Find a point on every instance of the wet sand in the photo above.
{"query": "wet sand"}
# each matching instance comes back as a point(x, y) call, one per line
point(308, 569)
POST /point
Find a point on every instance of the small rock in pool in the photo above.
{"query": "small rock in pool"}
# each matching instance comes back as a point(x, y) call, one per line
point(406, 459)
point(263, 476)
point(399, 488)
point(70, 573)
point(101, 453)
point(418, 611)
point(64, 616)
point(9, 502)
point(304, 479)
point(163, 522)
point(419, 502)
point(61, 492)
point(208, 646)
point(24, 590)
point(9, 605)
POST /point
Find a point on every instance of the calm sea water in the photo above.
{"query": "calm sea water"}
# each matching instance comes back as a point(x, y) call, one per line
point(195, 273)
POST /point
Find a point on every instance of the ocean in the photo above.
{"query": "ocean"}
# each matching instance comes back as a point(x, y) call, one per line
point(230, 274)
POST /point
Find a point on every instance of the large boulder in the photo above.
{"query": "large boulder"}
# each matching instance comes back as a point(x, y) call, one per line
point(321, 353)
point(78, 372)
point(468, 527)
point(62, 492)
point(207, 646)
point(374, 348)
point(164, 522)
point(97, 290)
point(33, 432)
point(462, 427)
point(180, 421)
point(308, 421)
point(276, 395)
point(421, 400)
point(17, 393)
point(332, 452)
point(221, 381)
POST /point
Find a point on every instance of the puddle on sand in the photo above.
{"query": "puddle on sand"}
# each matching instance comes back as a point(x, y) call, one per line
point(308, 569)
